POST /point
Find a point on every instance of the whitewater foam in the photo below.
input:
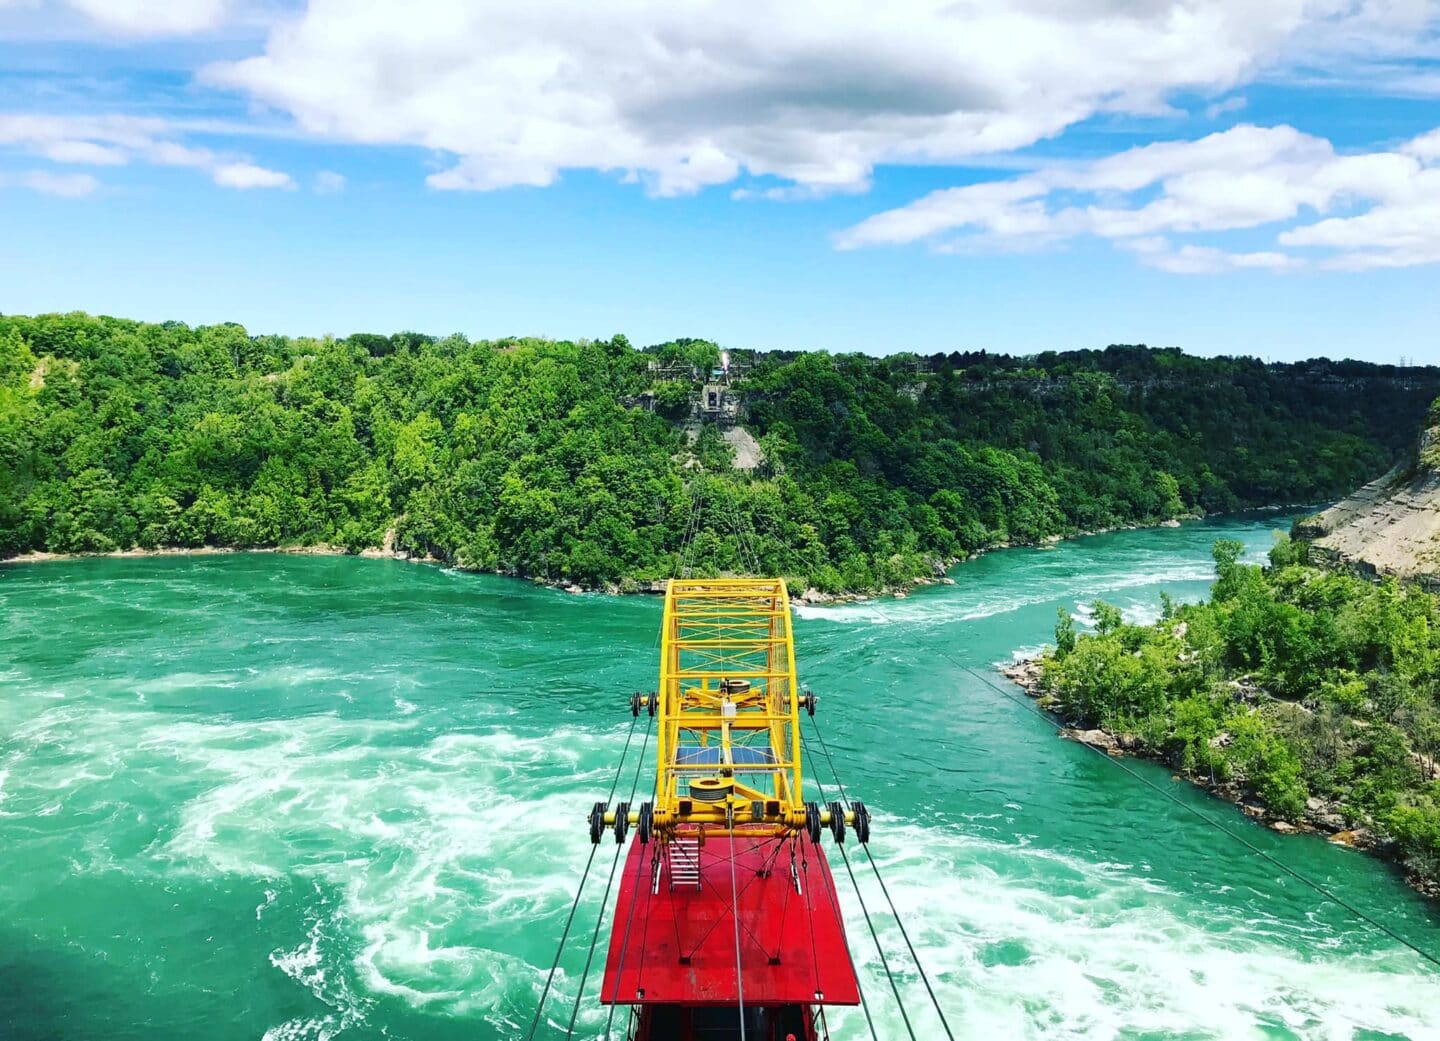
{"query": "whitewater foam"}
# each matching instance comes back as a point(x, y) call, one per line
point(949, 605)
point(1110, 955)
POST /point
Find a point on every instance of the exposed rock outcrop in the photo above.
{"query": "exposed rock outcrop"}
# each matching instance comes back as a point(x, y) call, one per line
point(1391, 526)
point(748, 454)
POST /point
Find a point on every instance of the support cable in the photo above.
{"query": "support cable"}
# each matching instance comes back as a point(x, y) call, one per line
point(735, 912)
point(835, 904)
point(1268, 857)
point(699, 501)
point(874, 935)
point(870, 857)
point(575, 906)
point(745, 548)
point(559, 950)
point(599, 918)
point(691, 529)
point(630, 915)
point(721, 896)
point(616, 782)
point(610, 882)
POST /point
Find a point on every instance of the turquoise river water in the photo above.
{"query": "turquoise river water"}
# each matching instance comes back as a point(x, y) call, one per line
point(302, 798)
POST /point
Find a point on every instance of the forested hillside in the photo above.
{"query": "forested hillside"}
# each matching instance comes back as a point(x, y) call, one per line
point(569, 461)
point(1309, 691)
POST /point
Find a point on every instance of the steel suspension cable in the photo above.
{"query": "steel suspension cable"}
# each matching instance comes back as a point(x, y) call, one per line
point(745, 549)
point(575, 906)
point(735, 914)
point(1268, 857)
point(605, 900)
point(625, 943)
point(630, 915)
point(894, 912)
point(834, 903)
point(874, 934)
point(616, 782)
point(560, 950)
point(691, 528)
point(699, 501)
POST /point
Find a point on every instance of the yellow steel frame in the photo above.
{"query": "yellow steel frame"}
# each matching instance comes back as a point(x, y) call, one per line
point(718, 635)
point(727, 682)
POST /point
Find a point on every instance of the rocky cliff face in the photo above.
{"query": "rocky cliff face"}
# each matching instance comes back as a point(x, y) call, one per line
point(1392, 525)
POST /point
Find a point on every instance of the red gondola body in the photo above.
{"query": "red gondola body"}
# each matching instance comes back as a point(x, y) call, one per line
point(673, 950)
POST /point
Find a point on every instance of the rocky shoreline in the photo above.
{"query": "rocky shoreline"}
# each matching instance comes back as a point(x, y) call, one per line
point(1321, 817)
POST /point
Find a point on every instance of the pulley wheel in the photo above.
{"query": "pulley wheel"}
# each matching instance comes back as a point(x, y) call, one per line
point(862, 823)
point(597, 823)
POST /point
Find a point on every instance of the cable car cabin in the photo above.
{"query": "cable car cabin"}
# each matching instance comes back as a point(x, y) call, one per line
point(693, 959)
point(727, 924)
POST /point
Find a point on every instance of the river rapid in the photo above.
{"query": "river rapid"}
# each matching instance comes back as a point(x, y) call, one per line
point(301, 798)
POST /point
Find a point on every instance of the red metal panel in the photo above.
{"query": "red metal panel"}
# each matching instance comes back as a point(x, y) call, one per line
point(792, 944)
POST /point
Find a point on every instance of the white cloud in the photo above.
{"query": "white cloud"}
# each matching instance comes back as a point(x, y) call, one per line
point(117, 140)
point(248, 175)
point(815, 93)
point(1426, 146)
point(153, 17)
point(1246, 177)
point(70, 186)
point(86, 153)
point(328, 182)
point(1189, 259)
point(1217, 109)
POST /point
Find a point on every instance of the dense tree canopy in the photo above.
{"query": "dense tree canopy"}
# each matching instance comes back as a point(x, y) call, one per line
point(570, 461)
point(1299, 683)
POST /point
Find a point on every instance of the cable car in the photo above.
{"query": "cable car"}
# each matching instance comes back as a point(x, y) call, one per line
point(728, 923)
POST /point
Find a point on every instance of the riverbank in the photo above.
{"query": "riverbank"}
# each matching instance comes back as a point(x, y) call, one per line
point(627, 585)
point(1320, 816)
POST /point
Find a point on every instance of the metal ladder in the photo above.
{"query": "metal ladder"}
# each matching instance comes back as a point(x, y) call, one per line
point(685, 863)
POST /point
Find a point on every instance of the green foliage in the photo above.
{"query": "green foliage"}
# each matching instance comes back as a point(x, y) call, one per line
point(672, 399)
point(1064, 632)
point(1100, 682)
point(523, 456)
point(1415, 824)
point(1229, 574)
point(1268, 763)
point(1292, 680)
point(1107, 618)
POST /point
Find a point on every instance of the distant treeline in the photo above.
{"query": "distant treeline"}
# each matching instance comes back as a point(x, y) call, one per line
point(567, 461)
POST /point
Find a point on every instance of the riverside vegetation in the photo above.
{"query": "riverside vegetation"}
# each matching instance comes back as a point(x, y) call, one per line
point(568, 462)
point(1307, 692)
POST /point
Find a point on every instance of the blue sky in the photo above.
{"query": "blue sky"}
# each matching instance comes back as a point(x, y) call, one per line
point(807, 175)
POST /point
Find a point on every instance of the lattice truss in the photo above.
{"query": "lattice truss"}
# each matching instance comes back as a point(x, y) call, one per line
point(729, 736)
